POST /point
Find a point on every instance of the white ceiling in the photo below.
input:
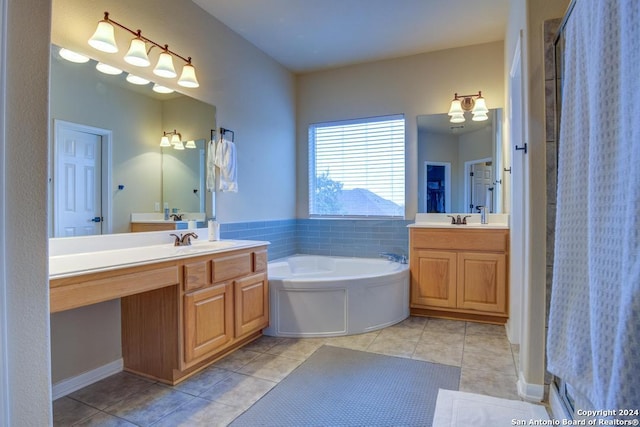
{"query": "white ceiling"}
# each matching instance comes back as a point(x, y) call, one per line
point(309, 35)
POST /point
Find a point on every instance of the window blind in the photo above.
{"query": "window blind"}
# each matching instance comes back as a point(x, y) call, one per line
point(356, 167)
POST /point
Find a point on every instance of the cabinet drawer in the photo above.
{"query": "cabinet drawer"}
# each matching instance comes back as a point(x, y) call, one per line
point(260, 260)
point(457, 239)
point(197, 275)
point(232, 266)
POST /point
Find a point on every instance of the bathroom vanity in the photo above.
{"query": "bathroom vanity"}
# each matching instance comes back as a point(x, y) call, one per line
point(182, 308)
point(459, 271)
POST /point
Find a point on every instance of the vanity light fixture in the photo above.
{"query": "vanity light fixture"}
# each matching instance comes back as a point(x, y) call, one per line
point(104, 40)
point(72, 56)
point(108, 69)
point(474, 103)
point(135, 80)
point(161, 89)
point(174, 139)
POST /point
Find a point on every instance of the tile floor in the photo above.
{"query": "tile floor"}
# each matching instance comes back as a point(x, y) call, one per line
point(220, 393)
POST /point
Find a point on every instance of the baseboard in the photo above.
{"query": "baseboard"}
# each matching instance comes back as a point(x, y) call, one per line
point(558, 409)
point(530, 392)
point(69, 385)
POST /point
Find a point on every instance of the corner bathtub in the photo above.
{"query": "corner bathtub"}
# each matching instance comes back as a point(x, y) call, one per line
point(321, 296)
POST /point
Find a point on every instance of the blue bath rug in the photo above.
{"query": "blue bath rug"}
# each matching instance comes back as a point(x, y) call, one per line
point(342, 387)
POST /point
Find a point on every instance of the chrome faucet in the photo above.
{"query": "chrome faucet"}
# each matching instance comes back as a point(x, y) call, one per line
point(402, 259)
point(457, 220)
point(183, 240)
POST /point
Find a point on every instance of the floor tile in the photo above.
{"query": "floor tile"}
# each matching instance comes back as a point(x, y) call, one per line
point(392, 346)
point(492, 362)
point(414, 322)
point(237, 359)
point(67, 411)
point(401, 332)
point(299, 349)
point(264, 343)
point(102, 419)
point(445, 325)
point(202, 381)
point(239, 391)
point(270, 367)
point(111, 390)
point(485, 329)
point(200, 413)
point(492, 344)
point(354, 342)
point(488, 383)
point(149, 405)
point(438, 352)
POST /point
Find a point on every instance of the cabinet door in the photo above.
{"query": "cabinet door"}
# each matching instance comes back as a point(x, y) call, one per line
point(434, 284)
point(252, 304)
point(208, 324)
point(482, 282)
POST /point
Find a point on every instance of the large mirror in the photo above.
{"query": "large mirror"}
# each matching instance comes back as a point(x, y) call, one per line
point(459, 164)
point(116, 126)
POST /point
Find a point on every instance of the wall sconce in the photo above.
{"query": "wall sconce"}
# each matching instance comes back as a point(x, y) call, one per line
point(462, 103)
point(104, 40)
point(174, 139)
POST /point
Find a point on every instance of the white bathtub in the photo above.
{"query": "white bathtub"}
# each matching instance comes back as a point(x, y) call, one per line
point(320, 296)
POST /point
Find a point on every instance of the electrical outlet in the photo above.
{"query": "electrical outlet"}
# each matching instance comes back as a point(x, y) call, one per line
point(157, 207)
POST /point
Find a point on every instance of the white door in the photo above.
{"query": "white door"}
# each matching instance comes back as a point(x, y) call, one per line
point(78, 174)
point(481, 186)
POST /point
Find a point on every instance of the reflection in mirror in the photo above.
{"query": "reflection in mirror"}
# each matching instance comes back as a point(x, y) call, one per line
point(130, 169)
point(459, 164)
point(183, 177)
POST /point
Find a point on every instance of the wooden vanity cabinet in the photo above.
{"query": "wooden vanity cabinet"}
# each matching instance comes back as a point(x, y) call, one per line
point(459, 273)
point(220, 304)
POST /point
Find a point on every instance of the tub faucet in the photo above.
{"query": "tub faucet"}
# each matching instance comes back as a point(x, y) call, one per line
point(402, 259)
point(183, 240)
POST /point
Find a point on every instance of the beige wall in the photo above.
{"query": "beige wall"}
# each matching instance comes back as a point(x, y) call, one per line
point(253, 95)
point(25, 236)
point(414, 85)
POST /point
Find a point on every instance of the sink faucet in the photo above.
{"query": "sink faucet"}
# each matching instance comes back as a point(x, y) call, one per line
point(457, 220)
point(183, 240)
point(176, 217)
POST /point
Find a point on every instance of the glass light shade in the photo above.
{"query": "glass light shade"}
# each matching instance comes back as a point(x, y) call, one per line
point(72, 56)
point(480, 107)
point(108, 69)
point(188, 77)
point(456, 108)
point(457, 118)
point(480, 117)
point(175, 139)
point(164, 67)
point(137, 54)
point(190, 144)
point(178, 146)
point(164, 141)
point(161, 89)
point(103, 39)
point(135, 80)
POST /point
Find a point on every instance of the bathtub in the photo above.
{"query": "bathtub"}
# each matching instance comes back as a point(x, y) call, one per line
point(321, 296)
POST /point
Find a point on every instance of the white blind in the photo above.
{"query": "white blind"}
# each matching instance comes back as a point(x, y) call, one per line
point(356, 167)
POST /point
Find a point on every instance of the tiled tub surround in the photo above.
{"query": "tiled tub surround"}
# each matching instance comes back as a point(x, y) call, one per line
point(334, 237)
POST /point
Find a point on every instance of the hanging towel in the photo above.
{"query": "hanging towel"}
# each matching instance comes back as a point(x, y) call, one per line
point(211, 166)
point(226, 161)
point(594, 320)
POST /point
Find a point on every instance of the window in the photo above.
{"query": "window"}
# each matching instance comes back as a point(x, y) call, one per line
point(356, 167)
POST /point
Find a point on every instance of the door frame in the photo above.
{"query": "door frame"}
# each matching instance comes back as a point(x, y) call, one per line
point(447, 183)
point(105, 173)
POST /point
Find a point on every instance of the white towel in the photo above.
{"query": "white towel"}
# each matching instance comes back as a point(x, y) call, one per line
point(211, 166)
point(226, 161)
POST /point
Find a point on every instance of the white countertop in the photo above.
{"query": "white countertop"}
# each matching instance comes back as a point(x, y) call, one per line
point(495, 221)
point(89, 254)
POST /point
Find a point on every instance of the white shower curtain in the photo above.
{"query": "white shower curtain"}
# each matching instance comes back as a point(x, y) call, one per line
point(594, 322)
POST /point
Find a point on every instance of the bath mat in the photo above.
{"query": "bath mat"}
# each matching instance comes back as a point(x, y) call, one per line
point(342, 387)
point(459, 409)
